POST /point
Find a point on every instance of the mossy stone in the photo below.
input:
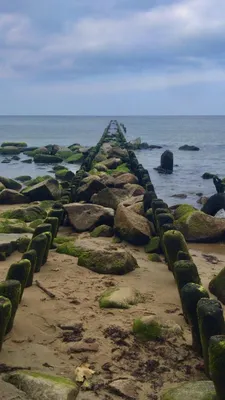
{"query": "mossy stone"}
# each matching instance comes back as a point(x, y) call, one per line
point(185, 271)
point(31, 255)
point(20, 272)
point(36, 223)
point(75, 158)
point(147, 330)
point(48, 246)
point(10, 183)
point(217, 286)
point(211, 323)
point(154, 257)
point(23, 178)
point(15, 144)
point(54, 222)
point(62, 239)
point(154, 245)
point(23, 244)
point(69, 248)
point(102, 231)
point(45, 227)
point(217, 364)
point(14, 226)
point(36, 180)
point(173, 242)
point(58, 213)
point(11, 289)
point(39, 244)
point(5, 314)
point(47, 159)
point(183, 256)
point(119, 297)
point(2, 256)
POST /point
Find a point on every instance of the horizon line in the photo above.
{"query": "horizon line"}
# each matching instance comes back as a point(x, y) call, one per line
point(112, 116)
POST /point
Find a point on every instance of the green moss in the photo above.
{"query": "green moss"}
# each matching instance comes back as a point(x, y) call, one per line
point(38, 179)
point(105, 302)
point(11, 289)
point(154, 257)
point(102, 231)
point(14, 226)
point(23, 178)
point(54, 222)
point(64, 154)
point(36, 223)
point(147, 330)
point(75, 158)
point(46, 204)
point(28, 214)
point(11, 150)
point(173, 242)
point(153, 246)
point(217, 286)
point(39, 244)
point(56, 379)
point(62, 239)
point(16, 144)
point(69, 248)
point(30, 255)
point(48, 246)
point(121, 168)
point(22, 244)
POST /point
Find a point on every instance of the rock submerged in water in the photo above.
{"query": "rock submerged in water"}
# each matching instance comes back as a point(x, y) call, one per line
point(189, 148)
point(166, 166)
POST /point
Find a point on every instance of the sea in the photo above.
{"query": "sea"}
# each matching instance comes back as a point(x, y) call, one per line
point(170, 132)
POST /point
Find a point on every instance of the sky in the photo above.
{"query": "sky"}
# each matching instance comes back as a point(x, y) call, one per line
point(112, 57)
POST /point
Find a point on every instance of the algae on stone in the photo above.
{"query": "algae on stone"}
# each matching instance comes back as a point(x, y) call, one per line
point(11, 289)
point(120, 297)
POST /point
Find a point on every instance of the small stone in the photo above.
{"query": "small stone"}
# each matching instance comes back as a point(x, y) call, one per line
point(126, 388)
point(83, 347)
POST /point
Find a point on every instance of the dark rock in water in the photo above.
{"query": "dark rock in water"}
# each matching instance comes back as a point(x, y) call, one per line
point(23, 178)
point(31, 148)
point(16, 158)
point(138, 145)
point(214, 204)
point(14, 144)
point(9, 196)
point(207, 175)
point(46, 190)
point(189, 148)
point(10, 183)
point(6, 161)
point(202, 200)
point(166, 166)
point(219, 184)
point(180, 196)
point(47, 159)
point(27, 161)
point(9, 150)
point(199, 194)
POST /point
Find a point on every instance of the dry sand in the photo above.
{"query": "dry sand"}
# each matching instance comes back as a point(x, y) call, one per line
point(37, 341)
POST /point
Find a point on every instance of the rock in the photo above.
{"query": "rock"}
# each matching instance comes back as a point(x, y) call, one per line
point(117, 152)
point(123, 179)
point(217, 286)
point(202, 390)
point(202, 200)
point(180, 196)
point(108, 180)
point(15, 158)
point(132, 200)
point(83, 348)
point(47, 159)
point(112, 163)
point(154, 257)
point(14, 144)
point(125, 387)
point(75, 159)
point(98, 256)
point(138, 208)
point(64, 152)
point(166, 166)
point(10, 183)
point(110, 197)
point(119, 297)
point(207, 175)
point(86, 191)
point(154, 245)
point(64, 175)
point(10, 392)
point(6, 161)
point(132, 227)
point(101, 167)
point(23, 178)
point(29, 214)
point(40, 386)
point(202, 228)
point(102, 231)
point(155, 328)
point(214, 204)
point(8, 196)
point(9, 150)
point(9, 242)
point(86, 217)
point(134, 189)
point(27, 161)
point(2, 187)
point(189, 148)
point(46, 190)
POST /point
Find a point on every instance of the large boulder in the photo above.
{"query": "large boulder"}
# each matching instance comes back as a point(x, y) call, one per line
point(112, 163)
point(166, 166)
point(40, 386)
point(132, 227)
point(123, 179)
point(99, 257)
point(134, 189)
point(8, 196)
point(46, 190)
point(10, 183)
point(85, 217)
point(110, 197)
point(214, 204)
point(9, 150)
point(47, 159)
point(199, 227)
point(86, 191)
point(200, 390)
point(28, 214)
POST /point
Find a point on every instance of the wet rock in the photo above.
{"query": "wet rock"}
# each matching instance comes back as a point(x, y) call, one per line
point(208, 175)
point(9, 150)
point(189, 148)
point(39, 386)
point(132, 227)
point(108, 180)
point(214, 204)
point(23, 178)
point(47, 159)
point(202, 390)
point(110, 197)
point(126, 388)
point(217, 286)
point(85, 217)
point(6, 161)
point(8, 196)
point(166, 166)
point(46, 190)
point(27, 161)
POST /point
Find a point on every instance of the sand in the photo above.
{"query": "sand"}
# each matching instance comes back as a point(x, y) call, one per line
point(38, 342)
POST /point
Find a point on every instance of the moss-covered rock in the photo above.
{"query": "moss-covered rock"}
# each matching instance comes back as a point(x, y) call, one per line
point(185, 272)
point(85, 217)
point(183, 210)
point(64, 153)
point(29, 214)
point(5, 314)
point(154, 257)
point(9, 150)
point(54, 222)
point(102, 231)
point(2, 187)
point(48, 246)
point(23, 178)
point(154, 245)
point(217, 286)
point(64, 175)
point(11, 289)
point(39, 244)
point(120, 297)
point(30, 255)
point(58, 213)
point(75, 158)
point(14, 226)
point(202, 390)
point(15, 144)
point(38, 385)
point(38, 179)
point(211, 323)
point(46, 190)
point(36, 223)
point(10, 183)
point(173, 242)
point(154, 328)
point(23, 244)
point(217, 364)
point(47, 159)
point(69, 248)
point(60, 239)
point(20, 272)
point(9, 196)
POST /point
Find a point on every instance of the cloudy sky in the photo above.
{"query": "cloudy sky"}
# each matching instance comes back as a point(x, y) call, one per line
point(112, 57)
